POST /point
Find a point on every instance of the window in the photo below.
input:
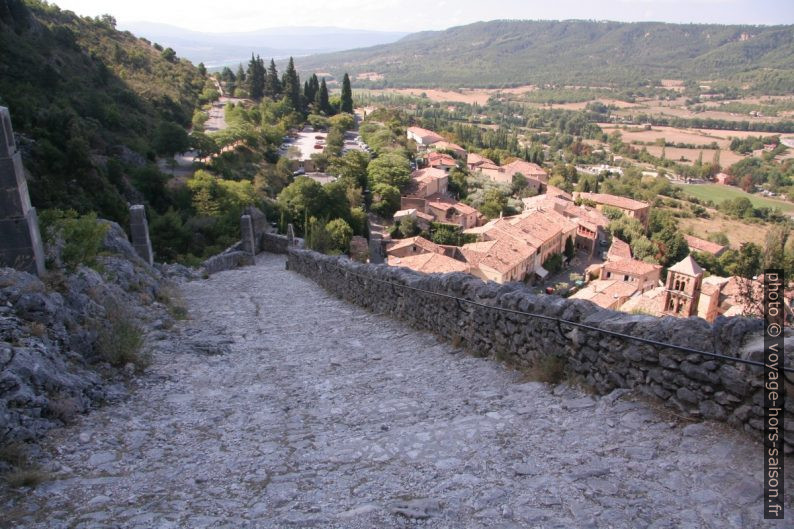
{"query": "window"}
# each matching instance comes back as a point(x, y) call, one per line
point(626, 278)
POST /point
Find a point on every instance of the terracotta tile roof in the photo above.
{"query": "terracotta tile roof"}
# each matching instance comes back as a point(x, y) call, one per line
point(591, 215)
point(606, 293)
point(420, 242)
point(687, 266)
point(632, 267)
point(430, 263)
point(557, 192)
point(449, 146)
point(702, 245)
point(618, 250)
point(423, 177)
point(476, 159)
point(613, 200)
point(444, 203)
point(425, 216)
point(501, 255)
point(530, 170)
point(649, 302)
point(437, 158)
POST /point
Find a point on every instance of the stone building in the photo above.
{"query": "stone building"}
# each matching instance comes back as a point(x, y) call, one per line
point(682, 290)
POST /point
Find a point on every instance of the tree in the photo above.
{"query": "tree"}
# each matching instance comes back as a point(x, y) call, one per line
point(302, 199)
point(292, 87)
point(321, 99)
point(385, 200)
point(170, 138)
point(347, 96)
point(169, 55)
point(390, 169)
point(272, 83)
point(569, 249)
point(310, 89)
point(340, 233)
point(202, 69)
point(494, 203)
point(408, 227)
point(256, 78)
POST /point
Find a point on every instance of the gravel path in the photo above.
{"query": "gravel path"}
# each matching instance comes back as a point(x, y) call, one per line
point(279, 406)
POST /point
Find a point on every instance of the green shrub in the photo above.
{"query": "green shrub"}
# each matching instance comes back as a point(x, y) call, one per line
point(82, 236)
point(119, 339)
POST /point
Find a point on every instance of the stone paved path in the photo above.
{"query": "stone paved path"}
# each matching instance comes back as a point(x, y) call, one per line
point(321, 414)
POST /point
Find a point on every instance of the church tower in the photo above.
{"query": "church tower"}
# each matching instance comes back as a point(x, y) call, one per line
point(682, 291)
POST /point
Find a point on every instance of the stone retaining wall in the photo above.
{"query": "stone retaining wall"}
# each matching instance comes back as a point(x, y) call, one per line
point(274, 243)
point(696, 385)
point(232, 257)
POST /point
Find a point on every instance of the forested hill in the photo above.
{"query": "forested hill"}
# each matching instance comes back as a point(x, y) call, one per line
point(508, 52)
point(85, 98)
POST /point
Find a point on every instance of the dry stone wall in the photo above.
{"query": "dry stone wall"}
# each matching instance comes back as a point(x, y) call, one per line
point(697, 385)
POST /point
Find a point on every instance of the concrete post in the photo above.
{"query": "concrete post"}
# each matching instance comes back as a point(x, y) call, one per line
point(290, 235)
point(247, 235)
point(20, 240)
point(140, 233)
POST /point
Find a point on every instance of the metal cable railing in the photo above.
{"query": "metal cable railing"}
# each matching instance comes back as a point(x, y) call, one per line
point(561, 321)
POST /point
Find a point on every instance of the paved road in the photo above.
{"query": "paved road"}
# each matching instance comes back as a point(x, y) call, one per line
point(280, 406)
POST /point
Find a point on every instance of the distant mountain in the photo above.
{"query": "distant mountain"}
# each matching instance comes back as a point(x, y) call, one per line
point(510, 52)
point(222, 49)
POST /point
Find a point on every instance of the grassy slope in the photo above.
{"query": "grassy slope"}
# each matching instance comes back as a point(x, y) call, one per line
point(78, 90)
point(505, 52)
point(718, 193)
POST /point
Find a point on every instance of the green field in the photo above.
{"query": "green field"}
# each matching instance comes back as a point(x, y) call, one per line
point(717, 193)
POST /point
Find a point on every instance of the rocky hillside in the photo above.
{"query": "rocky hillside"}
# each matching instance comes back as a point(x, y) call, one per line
point(72, 341)
point(88, 102)
point(577, 52)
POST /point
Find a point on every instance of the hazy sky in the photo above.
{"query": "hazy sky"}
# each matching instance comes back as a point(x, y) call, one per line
point(416, 15)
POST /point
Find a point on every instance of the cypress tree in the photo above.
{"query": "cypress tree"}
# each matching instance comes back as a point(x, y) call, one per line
point(272, 83)
point(256, 78)
point(322, 98)
point(292, 87)
point(347, 96)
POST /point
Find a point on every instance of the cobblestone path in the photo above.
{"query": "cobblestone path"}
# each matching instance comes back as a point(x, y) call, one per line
point(292, 408)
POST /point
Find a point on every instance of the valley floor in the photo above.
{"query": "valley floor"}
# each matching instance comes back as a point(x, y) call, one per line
point(279, 406)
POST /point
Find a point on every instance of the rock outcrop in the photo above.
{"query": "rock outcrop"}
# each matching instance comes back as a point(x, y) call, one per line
point(63, 337)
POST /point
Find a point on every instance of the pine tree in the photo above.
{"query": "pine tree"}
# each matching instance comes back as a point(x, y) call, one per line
point(272, 83)
point(292, 87)
point(323, 104)
point(347, 96)
point(240, 73)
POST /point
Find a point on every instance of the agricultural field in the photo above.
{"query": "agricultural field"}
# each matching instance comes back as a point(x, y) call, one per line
point(690, 156)
point(639, 136)
point(737, 231)
point(468, 96)
point(717, 193)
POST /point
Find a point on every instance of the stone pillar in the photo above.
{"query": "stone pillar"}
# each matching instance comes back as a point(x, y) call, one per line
point(247, 234)
point(375, 248)
point(140, 233)
point(20, 240)
point(290, 235)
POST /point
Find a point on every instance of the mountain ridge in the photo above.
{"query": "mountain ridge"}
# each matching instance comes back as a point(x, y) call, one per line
point(514, 52)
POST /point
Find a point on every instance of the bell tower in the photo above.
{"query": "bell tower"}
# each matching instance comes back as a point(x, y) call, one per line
point(682, 290)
